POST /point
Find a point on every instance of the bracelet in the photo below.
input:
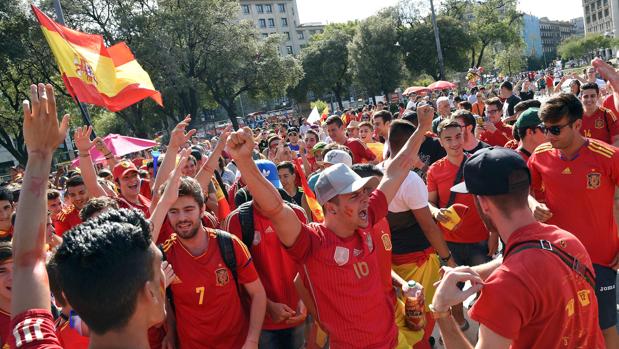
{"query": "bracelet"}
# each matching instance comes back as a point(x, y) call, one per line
point(439, 314)
point(446, 259)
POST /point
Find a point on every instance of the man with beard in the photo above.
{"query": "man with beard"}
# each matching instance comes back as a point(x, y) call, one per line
point(576, 178)
point(339, 257)
point(541, 296)
point(70, 216)
point(207, 293)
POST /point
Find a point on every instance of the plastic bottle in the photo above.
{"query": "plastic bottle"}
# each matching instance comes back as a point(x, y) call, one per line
point(414, 306)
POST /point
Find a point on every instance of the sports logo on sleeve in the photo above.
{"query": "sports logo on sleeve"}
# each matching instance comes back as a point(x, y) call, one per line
point(593, 180)
point(341, 255)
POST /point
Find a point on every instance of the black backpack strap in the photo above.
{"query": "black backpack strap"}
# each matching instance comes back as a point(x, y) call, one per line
point(226, 247)
point(246, 218)
point(459, 177)
point(571, 261)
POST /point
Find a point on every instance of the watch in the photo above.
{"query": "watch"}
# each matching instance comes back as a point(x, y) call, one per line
point(439, 314)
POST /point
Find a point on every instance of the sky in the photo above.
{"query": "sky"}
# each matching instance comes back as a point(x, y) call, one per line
point(330, 11)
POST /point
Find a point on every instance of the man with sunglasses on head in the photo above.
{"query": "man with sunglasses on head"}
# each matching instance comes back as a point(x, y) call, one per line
point(575, 178)
point(293, 139)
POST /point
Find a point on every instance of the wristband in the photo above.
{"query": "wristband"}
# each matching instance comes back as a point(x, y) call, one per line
point(439, 314)
point(446, 259)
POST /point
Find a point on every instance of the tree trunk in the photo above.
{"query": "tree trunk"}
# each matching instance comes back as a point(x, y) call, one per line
point(481, 54)
point(338, 96)
point(374, 98)
point(473, 56)
point(19, 154)
point(230, 110)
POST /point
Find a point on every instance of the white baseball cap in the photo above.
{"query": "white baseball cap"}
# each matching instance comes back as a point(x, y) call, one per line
point(337, 156)
point(340, 179)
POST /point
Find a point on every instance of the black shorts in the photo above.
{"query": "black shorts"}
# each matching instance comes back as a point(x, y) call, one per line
point(469, 253)
point(606, 293)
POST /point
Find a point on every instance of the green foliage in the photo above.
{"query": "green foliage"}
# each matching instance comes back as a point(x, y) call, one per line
point(107, 122)
point(578, 47)
point(511, 60)
point(320, 105)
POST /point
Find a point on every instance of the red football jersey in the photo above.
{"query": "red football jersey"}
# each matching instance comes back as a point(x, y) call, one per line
point(69, 337)
point(441, 176)
point(274, 266)
point(345, 280)
point(360, 152)
point(580, 194)
point(67, 219)
point(208, 220)
point(34, 329)
point(549, 306)
point(207, 304)
point(144, 204)
point(381, 229)
point(5, 329)
point(602, 125)
point(498, 138)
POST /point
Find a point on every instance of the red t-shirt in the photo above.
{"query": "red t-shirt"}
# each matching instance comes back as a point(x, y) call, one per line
point(66, 219)
point(360, 153)
point(441, 176)
point(69, 337)
point(144, 204)
point(34, 329)
point(381, 229)
point(345, 280)
point(498, 138)
point(145, 189)
point(601, 125)
point(274, 266)
point(609, 103)
point(511, 144)
point(536, 300)
point(208, 220)
point(207, 304)
point(550, 82)
point(5, 329)
point(580, 194)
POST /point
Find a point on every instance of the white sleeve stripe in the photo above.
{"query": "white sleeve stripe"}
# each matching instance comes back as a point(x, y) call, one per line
point(28, 335)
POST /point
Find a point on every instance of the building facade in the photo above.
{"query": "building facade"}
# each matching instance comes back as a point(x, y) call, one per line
point(553, 33)
point(579, 26)
point(279, 17)
point(532, 36)
point(601, 17)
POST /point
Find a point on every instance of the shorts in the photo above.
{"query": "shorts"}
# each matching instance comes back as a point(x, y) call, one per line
point(469, 253)
point(288, 338)
point(606, 293)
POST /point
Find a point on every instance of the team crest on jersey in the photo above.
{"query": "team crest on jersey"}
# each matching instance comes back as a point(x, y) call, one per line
point(221, 277)
point(593, 180)
point(599, 123)
point(341, 255)
point(386, 242)
point(257, 238)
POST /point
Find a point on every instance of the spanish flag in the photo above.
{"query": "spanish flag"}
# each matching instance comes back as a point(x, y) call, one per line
point(310, 197)
point(325, 114)
point(223, 209)
point(105, 76)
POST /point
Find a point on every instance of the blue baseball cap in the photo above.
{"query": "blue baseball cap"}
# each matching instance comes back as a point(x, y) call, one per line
point(269, 171)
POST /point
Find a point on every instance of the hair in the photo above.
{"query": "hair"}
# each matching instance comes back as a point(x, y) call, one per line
point(590, 86)
point(410, 116)
point(6, 251)
point(524, 105)
point(367, 170)
point(6, 195)
point(494, 101)
point(518, 197)
point(467, 117)
point(192, 159)
point(188, 186)
point(52, 194)
point(334, 146)
point(102, 266)
point(507, 85)
point(287, 165)
point(334, 119)
point(441, 99)
point(558, 106)
point(54, 284)
point(271, 139)
point(74, 181)
point(383, 114)
point(196, 153)
point(466, 105)
point(314, 133)
point(96, 205)
point(104, 173)
point(143, 174)
point(447, 123)
point(399, 132)
point(366, 124)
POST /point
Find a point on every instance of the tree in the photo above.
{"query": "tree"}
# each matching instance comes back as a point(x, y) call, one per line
point(376, 61)
point(511, 60)
point(578, 47)
point(325, 61)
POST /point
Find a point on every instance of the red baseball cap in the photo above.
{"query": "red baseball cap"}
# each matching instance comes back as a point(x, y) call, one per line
point(123, 168)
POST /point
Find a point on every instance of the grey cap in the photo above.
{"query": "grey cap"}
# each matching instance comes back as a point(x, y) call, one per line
point(337, 156)
point(340, 179)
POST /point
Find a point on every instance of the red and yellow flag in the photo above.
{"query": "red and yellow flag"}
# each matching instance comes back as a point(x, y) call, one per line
point(325, 114)
point(105, 76)
point(312, 202)
point(223, 209)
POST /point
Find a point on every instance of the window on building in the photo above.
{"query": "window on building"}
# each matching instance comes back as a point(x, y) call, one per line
point(262, 23)
point(600, 15)
point(259, 9)
point(287, 34)
point(605, 2)
point(594, 17)
point(268, 8)
point(300, 35)
point(271, 23)
point(265, 35)
point(284, 22)
point(289, 50)
point(281, 7)
point(606, 13)
point(599, 3)
point(245, 9)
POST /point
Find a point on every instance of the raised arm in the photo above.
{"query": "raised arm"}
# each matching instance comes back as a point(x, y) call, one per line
point(81, 136)
point(609, 73)
point(208, 169)
point(42, 136)
point(286, 223)
point(398, 168)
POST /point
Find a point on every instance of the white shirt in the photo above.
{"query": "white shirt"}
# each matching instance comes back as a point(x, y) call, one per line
point(412, 194)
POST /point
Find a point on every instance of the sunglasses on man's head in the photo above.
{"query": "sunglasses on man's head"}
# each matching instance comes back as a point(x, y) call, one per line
point(554, 130)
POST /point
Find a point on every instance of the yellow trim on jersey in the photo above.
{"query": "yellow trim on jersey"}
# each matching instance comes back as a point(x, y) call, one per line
point(602, 146)
point(610, 112)
point(601, 149)
point(169, 242)
point(542, 148)
point(604, 154)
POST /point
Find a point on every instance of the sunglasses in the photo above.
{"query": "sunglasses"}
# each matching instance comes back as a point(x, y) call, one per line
point(554, 130)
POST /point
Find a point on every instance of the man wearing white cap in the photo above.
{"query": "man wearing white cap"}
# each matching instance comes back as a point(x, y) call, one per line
point(338, 257)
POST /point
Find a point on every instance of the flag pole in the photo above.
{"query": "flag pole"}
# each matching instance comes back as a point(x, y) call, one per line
point(83, 107)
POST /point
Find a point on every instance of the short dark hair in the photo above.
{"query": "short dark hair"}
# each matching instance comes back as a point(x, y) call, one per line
point(287, 165)
point(95, 205)
point(103, 265)
point(466, 105)
point(558, 106)
point(6, 195)
point(104, 173)
point(524, 105)
point(188, 186)
point(447, 123)
point(399, 132)
point(507, 85)
point(52, 194)
point(410, 116)
point(467, 117)
point(383, 114)
point(366, 124)
point(334, 119)
point(314, 133)
point(367, 170)
point(74, 181)
point(590, 86)
point(494, 101)
point(6, 251)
